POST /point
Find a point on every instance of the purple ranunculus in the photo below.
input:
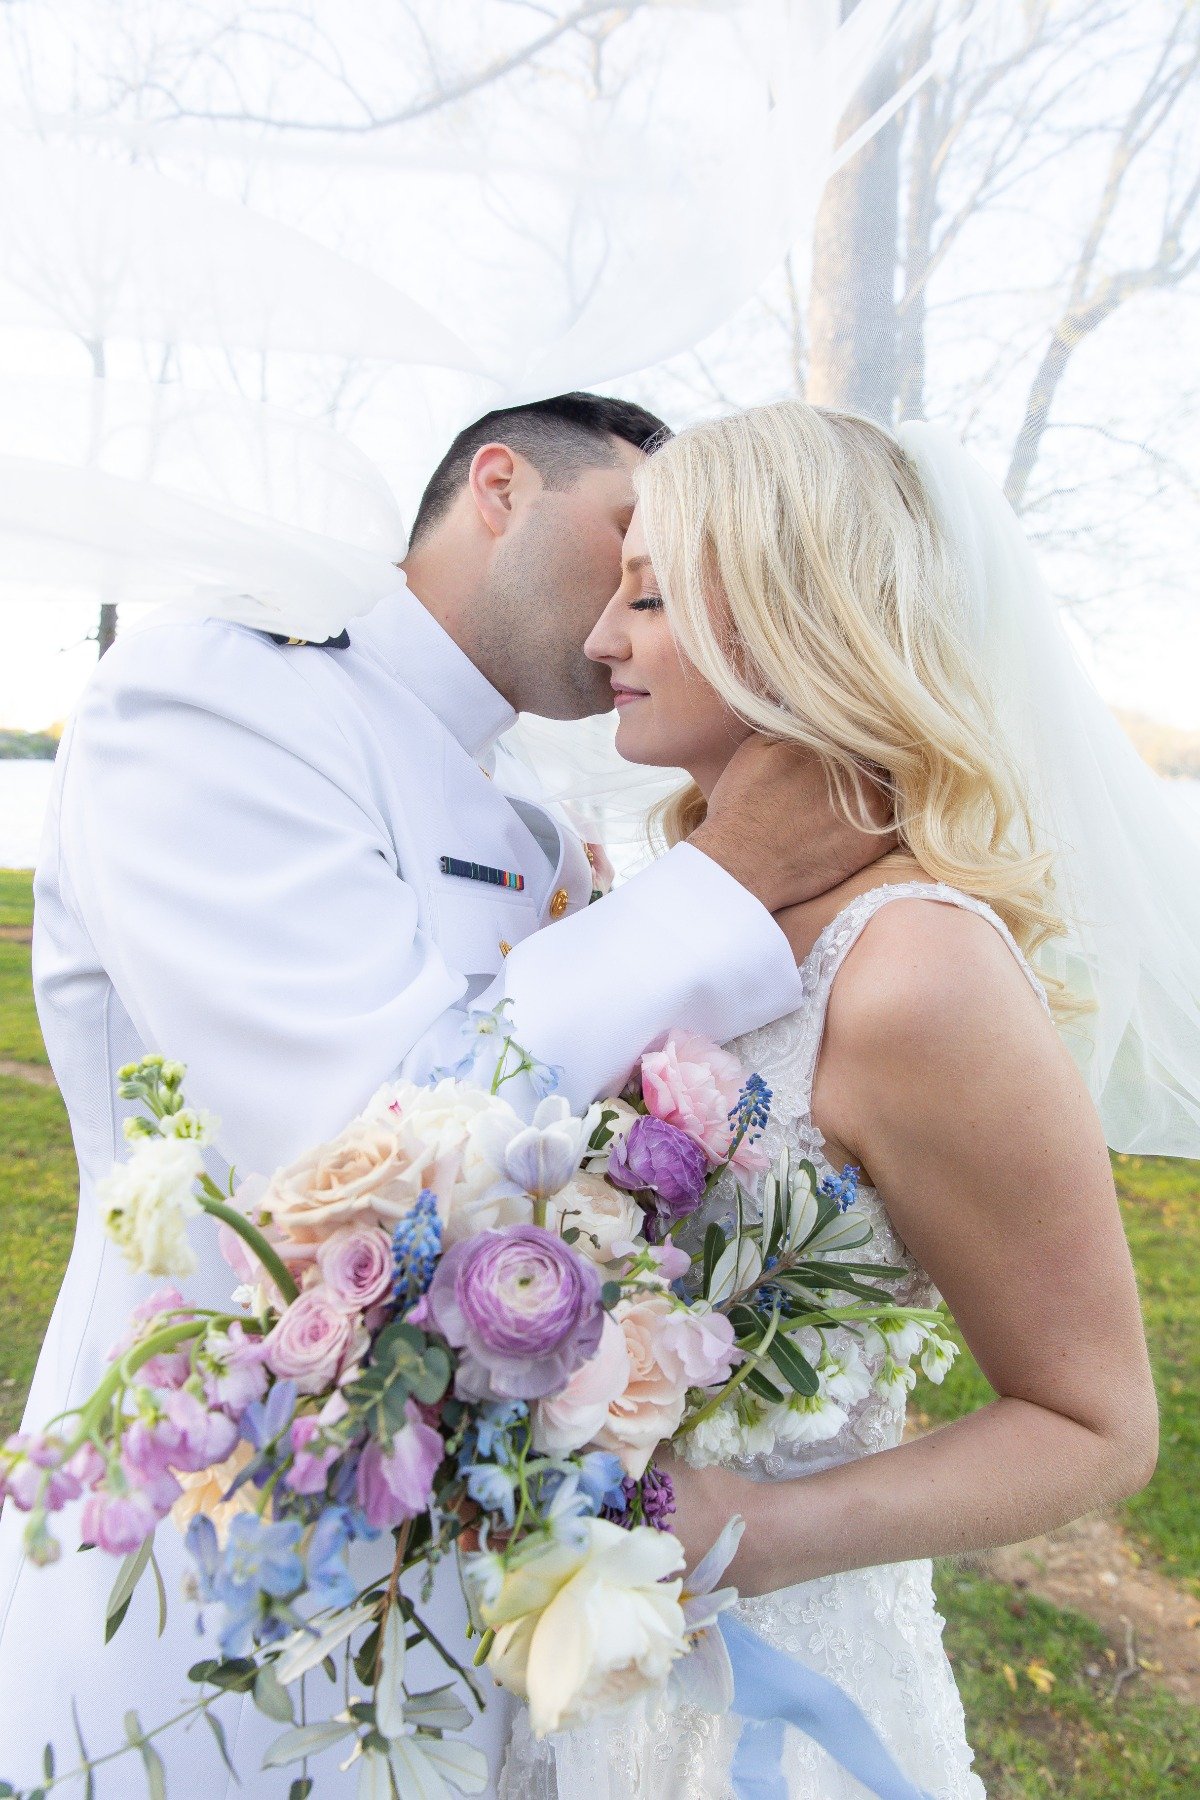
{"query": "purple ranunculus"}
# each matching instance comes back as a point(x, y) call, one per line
point(664, 1159)
point(521, 1307)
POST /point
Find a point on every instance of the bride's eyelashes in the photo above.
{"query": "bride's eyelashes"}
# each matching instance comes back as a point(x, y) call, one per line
point(647, 603)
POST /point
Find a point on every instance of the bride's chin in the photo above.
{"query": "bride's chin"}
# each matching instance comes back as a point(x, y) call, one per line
point(631, 749)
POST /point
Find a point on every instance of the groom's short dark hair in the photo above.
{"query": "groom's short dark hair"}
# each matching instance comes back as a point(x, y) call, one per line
point(560, 437)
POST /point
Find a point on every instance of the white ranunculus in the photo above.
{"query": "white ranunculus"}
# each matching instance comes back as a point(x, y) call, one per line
point(585, 1626)
point(438, 1132)
point(147, 1201)
point(603, 1215)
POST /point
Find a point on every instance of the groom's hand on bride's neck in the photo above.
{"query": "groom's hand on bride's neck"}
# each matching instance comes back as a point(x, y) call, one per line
point(773, 825)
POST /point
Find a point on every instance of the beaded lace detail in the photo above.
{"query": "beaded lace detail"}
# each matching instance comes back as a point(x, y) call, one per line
point(876, 1632)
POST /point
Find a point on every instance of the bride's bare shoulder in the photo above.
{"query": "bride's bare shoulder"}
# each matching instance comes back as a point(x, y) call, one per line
point(925, 973)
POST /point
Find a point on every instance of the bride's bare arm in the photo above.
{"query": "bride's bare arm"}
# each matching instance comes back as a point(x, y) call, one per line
point(943, 1078)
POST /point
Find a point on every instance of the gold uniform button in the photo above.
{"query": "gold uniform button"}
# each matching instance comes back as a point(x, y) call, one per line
point(505, 946)
point(559, 902)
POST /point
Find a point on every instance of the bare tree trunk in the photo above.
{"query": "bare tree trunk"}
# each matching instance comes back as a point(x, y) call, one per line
point(852, 307)
point(106, 628)
point(920, 215)
point(106, 634)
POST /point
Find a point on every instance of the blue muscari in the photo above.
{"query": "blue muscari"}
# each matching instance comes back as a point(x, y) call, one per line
point(416, 1247)
point(843, 1188)
point(752, 1109)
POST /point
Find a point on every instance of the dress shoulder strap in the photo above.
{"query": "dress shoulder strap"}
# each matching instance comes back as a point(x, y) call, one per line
point(839, 937)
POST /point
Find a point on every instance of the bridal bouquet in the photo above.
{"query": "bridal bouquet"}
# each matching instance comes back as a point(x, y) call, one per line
point(470, 1332)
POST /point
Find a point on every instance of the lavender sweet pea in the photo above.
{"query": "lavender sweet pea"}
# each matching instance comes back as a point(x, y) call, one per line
point(523, 1309)
point(663, 1159)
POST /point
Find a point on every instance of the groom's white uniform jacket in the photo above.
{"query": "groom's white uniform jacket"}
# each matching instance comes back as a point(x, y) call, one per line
point(243, 869)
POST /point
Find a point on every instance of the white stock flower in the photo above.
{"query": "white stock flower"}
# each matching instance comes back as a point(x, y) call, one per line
point(540, 1158)
point(191, 1122)
point(756, 1435)
point(806, 1419)
point(588, 1624)
point(937, 1356)
point(147, 1201)
point(844, 1376)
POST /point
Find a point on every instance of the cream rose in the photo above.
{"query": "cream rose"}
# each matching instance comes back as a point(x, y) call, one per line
point(602, 1214)
point(653, 1402)
point(567, 1421)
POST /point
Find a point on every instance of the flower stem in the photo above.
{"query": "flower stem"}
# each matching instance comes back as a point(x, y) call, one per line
point(212, 1202)
point(752, 1361)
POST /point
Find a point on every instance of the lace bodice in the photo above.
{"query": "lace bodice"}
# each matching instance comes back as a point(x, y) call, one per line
point(786, 1054)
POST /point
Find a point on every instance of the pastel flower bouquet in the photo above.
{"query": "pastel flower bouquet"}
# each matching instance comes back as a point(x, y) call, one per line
point(471, 1332)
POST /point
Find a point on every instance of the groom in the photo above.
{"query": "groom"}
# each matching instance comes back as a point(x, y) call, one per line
point(288, 866)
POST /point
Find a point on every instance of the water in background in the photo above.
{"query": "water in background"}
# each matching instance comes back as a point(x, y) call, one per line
point(25, 789)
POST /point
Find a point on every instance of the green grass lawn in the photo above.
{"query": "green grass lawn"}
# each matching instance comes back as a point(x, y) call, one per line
point(1160, 1201)
point(1035, 1680)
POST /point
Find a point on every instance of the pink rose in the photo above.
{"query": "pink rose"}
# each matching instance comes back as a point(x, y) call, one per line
point(396, 1484)
point(652, 1403)
point(356, 1262)
point(311, 1341)
point(569, 1420)
point(697, 1349)
point(310, 1468)
point(694, 1085)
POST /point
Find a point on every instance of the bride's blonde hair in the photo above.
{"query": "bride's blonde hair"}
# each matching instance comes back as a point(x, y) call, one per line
point(804, 574)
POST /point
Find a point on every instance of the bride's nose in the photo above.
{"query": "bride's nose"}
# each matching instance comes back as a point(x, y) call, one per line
point(608, 640)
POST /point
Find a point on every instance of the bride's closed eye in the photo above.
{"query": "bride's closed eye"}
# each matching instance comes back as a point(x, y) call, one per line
point(647, 603)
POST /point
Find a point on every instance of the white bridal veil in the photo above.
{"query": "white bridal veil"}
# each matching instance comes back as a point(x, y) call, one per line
point(257, 265)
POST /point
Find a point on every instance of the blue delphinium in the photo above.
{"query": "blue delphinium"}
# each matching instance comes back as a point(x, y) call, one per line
point(843, 1188)
point(329, 1582)
point(416, 1247)
point(259, 1567)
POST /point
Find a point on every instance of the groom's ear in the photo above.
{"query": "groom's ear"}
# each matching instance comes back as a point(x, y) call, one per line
point(500, 481)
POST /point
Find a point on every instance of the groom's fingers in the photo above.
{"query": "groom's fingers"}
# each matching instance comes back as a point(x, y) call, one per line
point(775, 824)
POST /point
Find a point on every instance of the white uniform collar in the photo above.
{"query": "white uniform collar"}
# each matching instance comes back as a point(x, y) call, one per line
point(405, 636)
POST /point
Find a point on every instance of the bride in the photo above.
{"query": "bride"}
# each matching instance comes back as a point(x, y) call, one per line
point(788, 574)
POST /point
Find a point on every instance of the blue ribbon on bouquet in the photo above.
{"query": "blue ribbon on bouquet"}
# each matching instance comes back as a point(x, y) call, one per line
point(771, 1691)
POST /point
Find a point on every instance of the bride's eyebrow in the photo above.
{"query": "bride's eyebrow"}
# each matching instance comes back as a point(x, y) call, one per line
point(635, 563)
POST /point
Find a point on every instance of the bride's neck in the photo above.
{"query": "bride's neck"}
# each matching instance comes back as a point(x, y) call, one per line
point(803, 924)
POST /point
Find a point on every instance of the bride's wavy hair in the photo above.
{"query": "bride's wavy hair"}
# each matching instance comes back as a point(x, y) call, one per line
point(805, 576)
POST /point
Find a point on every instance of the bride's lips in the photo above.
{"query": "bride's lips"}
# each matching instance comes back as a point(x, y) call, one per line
point(623, 695)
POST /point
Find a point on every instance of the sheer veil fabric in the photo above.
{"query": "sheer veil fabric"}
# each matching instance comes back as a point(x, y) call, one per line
point(219, 232)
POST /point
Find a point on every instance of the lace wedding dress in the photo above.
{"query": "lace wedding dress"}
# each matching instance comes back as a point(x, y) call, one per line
point(875, 1632)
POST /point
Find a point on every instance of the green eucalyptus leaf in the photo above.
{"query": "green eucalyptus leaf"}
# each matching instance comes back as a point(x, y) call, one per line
point(132, 1568)
point(48, 1762)
point(156, 1774)
point(610, 1293)
point(218, 1730)
point(433, 1375)
point(306, 1740)
point(301, 1788)
point(271, 1697)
